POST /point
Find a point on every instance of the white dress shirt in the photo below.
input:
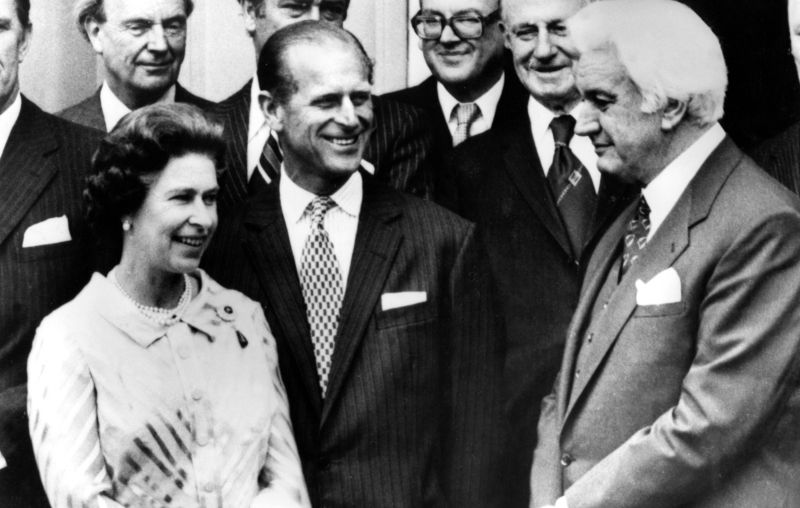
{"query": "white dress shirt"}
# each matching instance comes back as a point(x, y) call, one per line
point(257, 132)
point(666, 188)
point(114, 109)
point(7, 120)
point(341, 221)
point(581, 146)
point(487, 104)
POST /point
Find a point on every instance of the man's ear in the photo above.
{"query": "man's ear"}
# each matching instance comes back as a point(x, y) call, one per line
point(673, 114)
point(24, 43)
point(506, 35)
point(92, 27)
point(273, 112)
point(250, 13)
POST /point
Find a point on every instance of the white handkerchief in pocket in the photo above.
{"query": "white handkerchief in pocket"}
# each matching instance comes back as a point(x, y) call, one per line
point(52, 230)
point(663, 288)
point(402, 299)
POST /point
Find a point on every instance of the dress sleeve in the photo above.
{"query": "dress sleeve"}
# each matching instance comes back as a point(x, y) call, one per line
point(282, 477)
point(63, 422)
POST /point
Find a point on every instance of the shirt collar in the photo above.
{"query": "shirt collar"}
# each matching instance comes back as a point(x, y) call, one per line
point(295, 199)
point(257, 122)
point(7, 120)
point(666, 188)
point(486, 102)
point(114, 109)
point(540, 117)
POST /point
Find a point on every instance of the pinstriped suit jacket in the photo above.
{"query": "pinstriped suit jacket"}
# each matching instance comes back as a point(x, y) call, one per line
point(780, 157)
point(399, 147)
point(410, 418)
point(89, 112)
point(42, 172)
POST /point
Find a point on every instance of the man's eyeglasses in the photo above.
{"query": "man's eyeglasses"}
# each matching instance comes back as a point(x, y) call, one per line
point(467, 25)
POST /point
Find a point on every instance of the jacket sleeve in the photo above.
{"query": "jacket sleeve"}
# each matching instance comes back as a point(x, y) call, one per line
point(63, 423)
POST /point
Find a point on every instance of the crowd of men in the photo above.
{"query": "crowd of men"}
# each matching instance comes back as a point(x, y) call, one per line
point(556, 280)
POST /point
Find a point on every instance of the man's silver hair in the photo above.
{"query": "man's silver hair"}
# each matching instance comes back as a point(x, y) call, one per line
point(667, 50)
point(85, 10)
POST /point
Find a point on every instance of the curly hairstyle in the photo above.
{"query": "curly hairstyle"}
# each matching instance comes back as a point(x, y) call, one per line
point(130, 158)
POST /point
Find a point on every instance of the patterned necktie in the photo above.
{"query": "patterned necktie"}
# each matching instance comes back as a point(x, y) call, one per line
point(466, 114)
point(571, 185)
point(323, 290)
point(269, 162)
point(635, 235)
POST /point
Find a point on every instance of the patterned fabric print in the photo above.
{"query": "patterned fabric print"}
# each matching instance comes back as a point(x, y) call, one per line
point(636, 235)
point(571, 185)
point(271, 158)
point(322, 288)
point(466, 114)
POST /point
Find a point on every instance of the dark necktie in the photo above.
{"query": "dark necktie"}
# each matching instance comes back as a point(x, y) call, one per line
point(269, 162)
point(571, 185)
point(323, 290)
point(635, 235)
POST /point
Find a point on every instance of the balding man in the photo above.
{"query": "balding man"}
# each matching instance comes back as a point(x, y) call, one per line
point(679, 383)
point(378, 300)
point(141, 44)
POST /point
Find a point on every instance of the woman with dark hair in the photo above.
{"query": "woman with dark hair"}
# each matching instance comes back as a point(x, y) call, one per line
point(155, 386)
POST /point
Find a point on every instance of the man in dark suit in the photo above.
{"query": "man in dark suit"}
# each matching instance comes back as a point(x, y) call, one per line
point(399, 145)
point(44, 251)
point(780, 155)
point(532, 220)
point(141, 45)
point(377, 299)
point(680, 382)
point(468, 92)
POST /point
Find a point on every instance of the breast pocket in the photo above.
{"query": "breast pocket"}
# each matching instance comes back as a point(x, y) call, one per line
point(406, 316)
point(49, 251)
point(667, 309)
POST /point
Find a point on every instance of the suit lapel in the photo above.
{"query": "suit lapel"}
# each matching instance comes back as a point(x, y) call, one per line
point(522, 164)
point(430, 97)
point(666, 246)
point(377, 241)
point(25, 167)
point(270, 252)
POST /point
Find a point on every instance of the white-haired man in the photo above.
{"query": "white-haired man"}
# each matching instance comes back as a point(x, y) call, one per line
point(141, 44)
point(679, 383)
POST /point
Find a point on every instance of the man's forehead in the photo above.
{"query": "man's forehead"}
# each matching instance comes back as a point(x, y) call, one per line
point(144, 8)
point(453, 6)
point(314, 57)
point(536, 11)
point(599, 65)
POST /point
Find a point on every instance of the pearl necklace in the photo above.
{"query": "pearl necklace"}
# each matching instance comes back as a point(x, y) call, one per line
point(160, 315)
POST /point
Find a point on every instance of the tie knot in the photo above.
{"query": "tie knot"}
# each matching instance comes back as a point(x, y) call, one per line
point(318, 207)
point(563, 127)
point(466, 113)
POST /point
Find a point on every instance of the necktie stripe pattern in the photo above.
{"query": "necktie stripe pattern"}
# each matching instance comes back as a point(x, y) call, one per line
point(636, 235)
point(271, 158)
point(466, 114)
point(571, 185)
point(323, 290)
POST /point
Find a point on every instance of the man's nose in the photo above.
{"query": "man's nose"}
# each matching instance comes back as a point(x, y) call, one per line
point(347, 113)
point(157, 38)
point(544, 48)
point(586, 119)
point(448, 35)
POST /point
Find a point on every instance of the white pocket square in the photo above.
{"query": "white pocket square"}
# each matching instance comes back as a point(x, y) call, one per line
point(663, 288)
point(52, 230)
point(403, 299)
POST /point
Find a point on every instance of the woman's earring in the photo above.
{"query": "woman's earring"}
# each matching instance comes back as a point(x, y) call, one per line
point(126, 225)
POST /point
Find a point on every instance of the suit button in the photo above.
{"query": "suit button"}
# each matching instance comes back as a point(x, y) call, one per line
point(566, 460)
point(577, 372)
point(590, 337)
point(605, 305)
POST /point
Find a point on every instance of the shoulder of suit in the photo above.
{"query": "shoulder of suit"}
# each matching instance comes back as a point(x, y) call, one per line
point(61, 128)
point(420, 96)
point(82, 112)
point(184, 95)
